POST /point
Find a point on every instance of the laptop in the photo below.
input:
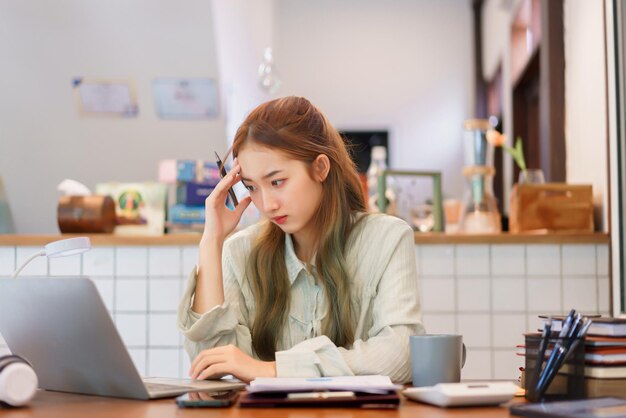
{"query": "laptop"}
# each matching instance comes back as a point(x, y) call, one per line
point(61, 326)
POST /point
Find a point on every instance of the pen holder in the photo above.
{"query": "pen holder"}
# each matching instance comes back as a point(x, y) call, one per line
point(569, 377)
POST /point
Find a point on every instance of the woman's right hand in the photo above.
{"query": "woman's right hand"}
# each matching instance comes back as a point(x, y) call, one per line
point(219, 219)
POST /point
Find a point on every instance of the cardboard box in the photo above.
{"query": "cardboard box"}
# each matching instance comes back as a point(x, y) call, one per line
point(551, 207)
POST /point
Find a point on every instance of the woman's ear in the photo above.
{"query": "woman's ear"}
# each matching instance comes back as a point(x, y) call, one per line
point(321, 167)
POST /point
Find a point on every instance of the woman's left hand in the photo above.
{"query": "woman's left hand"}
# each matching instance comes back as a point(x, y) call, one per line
point(229, 359)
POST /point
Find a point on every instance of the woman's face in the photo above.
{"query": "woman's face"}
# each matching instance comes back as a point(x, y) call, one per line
point(281, 187)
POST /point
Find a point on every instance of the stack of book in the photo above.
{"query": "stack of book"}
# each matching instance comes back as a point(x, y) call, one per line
point(193, 181)
point(605, 357)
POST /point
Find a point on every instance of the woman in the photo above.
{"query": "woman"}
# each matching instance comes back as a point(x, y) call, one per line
point(319, 288)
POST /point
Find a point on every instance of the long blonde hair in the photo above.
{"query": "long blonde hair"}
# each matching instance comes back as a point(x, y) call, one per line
point(294, 126)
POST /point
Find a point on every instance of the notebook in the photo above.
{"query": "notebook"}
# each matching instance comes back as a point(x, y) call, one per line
point(61, 326)
point(601, 325)
point(320, 399)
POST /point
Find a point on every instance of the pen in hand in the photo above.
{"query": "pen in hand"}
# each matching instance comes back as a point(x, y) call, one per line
point(222, 170)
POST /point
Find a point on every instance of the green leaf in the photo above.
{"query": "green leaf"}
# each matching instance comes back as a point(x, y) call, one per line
point(517, 153)
point(520, 154)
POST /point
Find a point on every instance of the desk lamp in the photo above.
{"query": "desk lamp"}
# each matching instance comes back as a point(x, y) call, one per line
point(60, 248)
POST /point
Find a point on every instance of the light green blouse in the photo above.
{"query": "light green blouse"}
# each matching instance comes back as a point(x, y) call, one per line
point(381, 263)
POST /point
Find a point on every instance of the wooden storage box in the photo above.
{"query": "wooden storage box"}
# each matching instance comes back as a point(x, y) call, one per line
point(551, 207)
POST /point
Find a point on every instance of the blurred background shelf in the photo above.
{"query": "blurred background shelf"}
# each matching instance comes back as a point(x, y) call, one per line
point(420, 238)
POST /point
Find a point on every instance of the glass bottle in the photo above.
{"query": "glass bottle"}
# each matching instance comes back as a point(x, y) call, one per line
point(480, 213)
point(378, 164)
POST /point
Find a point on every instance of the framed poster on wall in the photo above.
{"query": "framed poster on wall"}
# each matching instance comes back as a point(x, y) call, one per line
point(185, 98)
point(105, 98)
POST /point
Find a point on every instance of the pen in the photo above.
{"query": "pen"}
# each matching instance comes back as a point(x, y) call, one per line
point(577, 332)
point(547, 330)
point(222, 171)
point(566, 351)
point(565, 329)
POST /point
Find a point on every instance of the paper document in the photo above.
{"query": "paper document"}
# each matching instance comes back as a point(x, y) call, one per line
point(367, 384)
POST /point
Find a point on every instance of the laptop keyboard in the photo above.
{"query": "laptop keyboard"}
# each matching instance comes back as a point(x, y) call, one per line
point(161, 386)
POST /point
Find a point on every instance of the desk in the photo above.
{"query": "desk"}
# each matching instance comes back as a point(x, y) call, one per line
point(63, 405)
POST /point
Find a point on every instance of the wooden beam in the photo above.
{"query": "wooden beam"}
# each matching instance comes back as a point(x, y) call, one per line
point(552, 92)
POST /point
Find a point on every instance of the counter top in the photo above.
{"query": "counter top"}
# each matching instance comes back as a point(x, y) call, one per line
point(420, 238)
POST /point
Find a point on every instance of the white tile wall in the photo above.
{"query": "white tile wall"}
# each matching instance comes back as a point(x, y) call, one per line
point(473, 294)
point(185, 364)
point(602, 264)
point(543, 260)
point(99, 261)
point(65, 266)
point(37, 267)
point(106, 289)
point(162, 330)
point(7, 261)
point(477, 365)
point(437, 260)
point(491, 294)
point(164, 294)
point(190, 259)
point(472, 260)
point(139, 357)
point(164, 261)
point(132, 328)
point(604, 293)
point(544, 294)
point(523, 281)
point(579, 260)
point(534, 323)
point(506, 364)
point(476, 329)
point(131, 295)
point(131, 261)
point(508, 260)
point(508, 329)
point(164, 362)
point(581, 294)
point(437, 323)
point(438, 294)
point(508, 294)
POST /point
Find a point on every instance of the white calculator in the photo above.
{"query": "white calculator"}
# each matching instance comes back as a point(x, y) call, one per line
point(463, 394)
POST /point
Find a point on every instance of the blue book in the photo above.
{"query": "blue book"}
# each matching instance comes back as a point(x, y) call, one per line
point(192, 194)
point(183, 214)
point(197, 171)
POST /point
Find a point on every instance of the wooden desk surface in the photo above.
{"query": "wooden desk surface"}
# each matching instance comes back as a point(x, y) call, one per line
point(63, 405)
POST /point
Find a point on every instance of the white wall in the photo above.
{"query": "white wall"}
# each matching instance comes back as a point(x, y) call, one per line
point(43, 45)
point(585, 99)
point(401, 65)
point(243, 29)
